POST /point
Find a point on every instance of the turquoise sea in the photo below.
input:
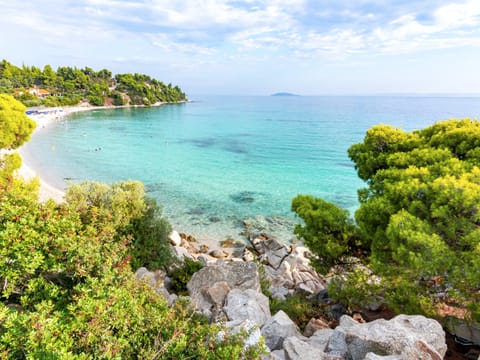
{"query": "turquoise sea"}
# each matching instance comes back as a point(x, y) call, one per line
point(216, 161)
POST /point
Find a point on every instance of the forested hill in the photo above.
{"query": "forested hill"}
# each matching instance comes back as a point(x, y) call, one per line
point(34, 86)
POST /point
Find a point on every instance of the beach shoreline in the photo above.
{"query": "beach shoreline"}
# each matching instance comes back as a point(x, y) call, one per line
point(43, 117)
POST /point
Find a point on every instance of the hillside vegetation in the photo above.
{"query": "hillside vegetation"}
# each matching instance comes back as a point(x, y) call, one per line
point(67, 286)
point(69, 86)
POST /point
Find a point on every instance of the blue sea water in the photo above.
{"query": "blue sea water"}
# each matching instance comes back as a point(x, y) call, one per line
point(216, 161)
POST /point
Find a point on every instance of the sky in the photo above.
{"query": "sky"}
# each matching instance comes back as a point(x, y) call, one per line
point(251, 47)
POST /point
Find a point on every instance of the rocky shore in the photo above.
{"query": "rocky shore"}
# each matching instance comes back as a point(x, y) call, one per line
point(230, 288)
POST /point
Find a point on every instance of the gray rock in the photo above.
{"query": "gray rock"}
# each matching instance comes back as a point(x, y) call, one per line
point(141, 272)
point(247, 304)
point(296, 349)
point(154, 278)
point(174, 238)
point(275, 355)
point(294, 271)
point(234, 275)
point(337, 345)
point(320, 338)
point(182, 253)
point(163, 292)
point(277, 329)
point(279, 293)
point(206, 260)
point(271, 251)
point(469, 331)
point(172, 298)
point(372, 356)
point(412, 337)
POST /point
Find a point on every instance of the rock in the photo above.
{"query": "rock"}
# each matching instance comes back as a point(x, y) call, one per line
point(292, 271)
point(336, 311)
point(162, 291)
point(174, 238)
point(236, 275)
point(320, 338)
point(271, 251)
point(314, 325)
point(467, 331)
point(139, 274)
point(372, 356)
point(203, 249)
point(412, 337)
point(337, 345)
point(231, 243)
point(155, 278)
point(275, 355)
point(172, 299)
point(279, 293)
point(247, 255)
point(277, 329)
point(296, 349)
point(217, 293)
point(182, 253)
point(206, 260)
point(247, 304)
point(218, 254)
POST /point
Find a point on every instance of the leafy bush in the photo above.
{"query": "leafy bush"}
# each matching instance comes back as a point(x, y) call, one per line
point(182, 275)
point(124, 209)
point(96, 100)
point(150, 246)
point(298, 308)
point(327, 230)
point(15, 126)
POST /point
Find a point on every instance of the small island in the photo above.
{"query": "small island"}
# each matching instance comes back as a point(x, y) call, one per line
point(284, 94)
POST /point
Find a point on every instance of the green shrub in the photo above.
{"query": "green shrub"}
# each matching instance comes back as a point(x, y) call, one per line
point(150, 246)
point(182, 275)
point(299, 308)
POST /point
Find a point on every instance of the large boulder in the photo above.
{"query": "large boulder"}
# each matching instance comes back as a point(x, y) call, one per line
point(277, 329)
point(247, 305)
point(209, 286)
point(411, 336)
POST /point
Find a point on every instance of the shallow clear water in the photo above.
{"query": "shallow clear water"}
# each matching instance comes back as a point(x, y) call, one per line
point(213, 162)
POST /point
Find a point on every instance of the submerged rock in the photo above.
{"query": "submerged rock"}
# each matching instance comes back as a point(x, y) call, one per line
point(243, 197)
